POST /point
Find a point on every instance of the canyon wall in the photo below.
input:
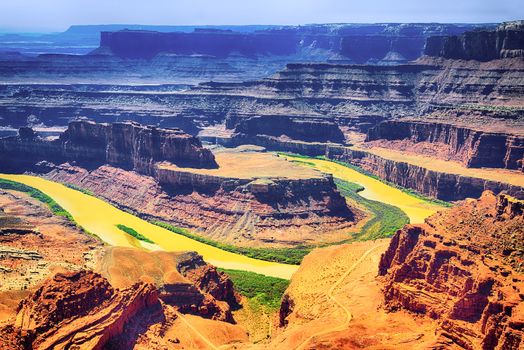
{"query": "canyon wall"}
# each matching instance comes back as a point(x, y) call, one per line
point(118, 161)
point(274, 212)
point(82, 309)
point(128, 145)
point(359, 43)
point(188, 54)
point(472, 147)
point(506, 41)
point(463, 268)
point(437, 184)
point(78, 309)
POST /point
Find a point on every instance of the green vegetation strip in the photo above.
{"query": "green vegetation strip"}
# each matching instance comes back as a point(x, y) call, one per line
point(259, 289)
point(79, 189)
point(283, 255)
point(386, 220)
point(133, 233)
point(38, 195)
point(44, 198)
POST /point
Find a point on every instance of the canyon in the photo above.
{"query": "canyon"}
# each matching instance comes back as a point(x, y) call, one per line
point(192, 54)
point(158, 182)
point(462, 268)
point(467, 110)
point(230, 201)
point(454, 282)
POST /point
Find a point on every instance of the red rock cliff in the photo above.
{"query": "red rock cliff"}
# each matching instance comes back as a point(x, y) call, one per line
point(77, 310)
point(127, 145)
point(464, 268)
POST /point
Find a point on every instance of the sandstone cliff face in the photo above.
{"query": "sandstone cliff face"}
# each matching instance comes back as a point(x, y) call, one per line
point(297, 129)
point(128, 145)
point(448, 187)
point(474, 148)
point(507, 40)
point(77, 310)
point(437, 184)
point(464, 268)
point(133, 146)
point(244, 212)
point(183, 280)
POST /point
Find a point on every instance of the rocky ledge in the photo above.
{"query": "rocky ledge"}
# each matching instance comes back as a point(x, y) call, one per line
point(472, 147)
point(506, 41)
point(128, 145)
point(78, 310)
point(118, 161)
point(257, 212)
point(138, 303)
point(464, 268)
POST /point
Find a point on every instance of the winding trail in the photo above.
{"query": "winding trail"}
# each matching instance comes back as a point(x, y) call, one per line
point(349, 315)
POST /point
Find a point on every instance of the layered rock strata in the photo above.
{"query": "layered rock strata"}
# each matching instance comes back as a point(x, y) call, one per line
point(223, 207)
point(437, 184)
point(246, 212)
point(463, 268)
point(79, 310)
point(183, 280)
point(127, 145)
point(472, 147)
point(507, 40)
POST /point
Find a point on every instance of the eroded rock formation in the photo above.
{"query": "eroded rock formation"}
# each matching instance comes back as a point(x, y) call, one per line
point(507, 40)
point(118, 161)
point(472, 147)
point(183, 280)
point(78, 309)
point(244, 212)
point(128, 145)
point(464, 268)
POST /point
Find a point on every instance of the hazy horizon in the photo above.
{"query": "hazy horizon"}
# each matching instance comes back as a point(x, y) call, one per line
point(58, 15)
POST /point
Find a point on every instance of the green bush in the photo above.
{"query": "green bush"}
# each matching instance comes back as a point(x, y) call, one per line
point(79, 189)
point(258, 288)
point(133, 233)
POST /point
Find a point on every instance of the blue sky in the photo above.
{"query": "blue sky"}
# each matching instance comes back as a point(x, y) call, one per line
point(57, 15)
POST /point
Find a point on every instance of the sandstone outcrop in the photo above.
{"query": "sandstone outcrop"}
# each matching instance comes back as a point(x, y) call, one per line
point(507, 40)
point(238, 211)
point(308, 129)
point(438, 184)
point(111, 160)
point(79, 310)
point(463, 268)
point(183, 280)
point(128, 145)
point(472, 147)
point(34, 244)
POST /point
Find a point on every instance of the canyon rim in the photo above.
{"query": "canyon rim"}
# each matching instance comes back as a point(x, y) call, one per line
point(356, 183)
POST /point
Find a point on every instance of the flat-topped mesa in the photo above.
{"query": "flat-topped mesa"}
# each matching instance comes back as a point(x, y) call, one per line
point(473, 148)
point(385, 43)
point(128, 145)
point(308, 129)
point(506, 41)
point(135, 146)
point(463, 268)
